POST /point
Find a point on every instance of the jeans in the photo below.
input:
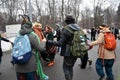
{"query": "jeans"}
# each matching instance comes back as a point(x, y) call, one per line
point(68, 64)
point(108, 64)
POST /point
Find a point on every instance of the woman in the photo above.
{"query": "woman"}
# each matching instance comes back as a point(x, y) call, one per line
point(50, 48)
point(105, 57)
point(28, 70)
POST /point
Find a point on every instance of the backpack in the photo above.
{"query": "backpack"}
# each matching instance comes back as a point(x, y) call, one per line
point(79, 46)
point(22, 51)
point(110, 42)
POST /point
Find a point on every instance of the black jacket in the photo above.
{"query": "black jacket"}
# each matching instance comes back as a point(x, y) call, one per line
point(66, 39)
point(4, 39)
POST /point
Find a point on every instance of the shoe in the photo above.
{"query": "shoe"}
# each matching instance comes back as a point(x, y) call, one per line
point(102, 78)
point(90, 62)
point(51, 63)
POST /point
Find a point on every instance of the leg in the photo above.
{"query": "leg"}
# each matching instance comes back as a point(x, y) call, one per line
point(99, 68)
point(84, 61)
point(21, 76)
point(108, 69)
point(68, 64)
point(31, 76)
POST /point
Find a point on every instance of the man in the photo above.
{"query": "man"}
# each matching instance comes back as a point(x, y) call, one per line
point(115, 31)
point(65, 42)
point(105, 57)
point(4, 39)
point(93, 34)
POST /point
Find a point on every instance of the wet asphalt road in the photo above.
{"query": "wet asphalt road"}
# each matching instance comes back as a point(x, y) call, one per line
point(56, 73)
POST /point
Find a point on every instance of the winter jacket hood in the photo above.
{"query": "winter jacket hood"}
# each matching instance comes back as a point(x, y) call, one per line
point(25, 29)
point(74, 27)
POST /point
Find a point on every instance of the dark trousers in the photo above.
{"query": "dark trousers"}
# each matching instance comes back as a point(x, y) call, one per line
point(84, 61)
point(68, 64)
point(52, 56)
point(108, 64)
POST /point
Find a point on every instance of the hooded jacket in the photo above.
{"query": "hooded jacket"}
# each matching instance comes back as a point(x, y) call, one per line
point(31, 65)
point(66, 39)
point(102, 52)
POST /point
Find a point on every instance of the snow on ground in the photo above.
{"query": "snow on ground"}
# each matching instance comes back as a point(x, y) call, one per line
point(6, 45)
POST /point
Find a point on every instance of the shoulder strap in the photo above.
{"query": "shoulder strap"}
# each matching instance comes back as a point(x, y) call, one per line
point(68, 29)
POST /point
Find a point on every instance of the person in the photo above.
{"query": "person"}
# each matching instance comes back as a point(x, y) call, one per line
point(27, 71)
point(49, 47)
point(115, 31)
point(37, 28)
point(85, 59)
point(58, 35)
point(4, 39)
point(93, 34)
point(106, 57)
point(66, 40)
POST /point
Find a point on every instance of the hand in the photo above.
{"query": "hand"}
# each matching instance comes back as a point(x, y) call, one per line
point(90, 47)
point(12, 43)
point(44, 40)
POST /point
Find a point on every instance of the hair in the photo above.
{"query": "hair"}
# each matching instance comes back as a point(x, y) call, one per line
point(69, 20)
point(103, 25)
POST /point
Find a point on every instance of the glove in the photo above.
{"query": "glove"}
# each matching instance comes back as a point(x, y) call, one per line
point(45, 55)
point(90, 47)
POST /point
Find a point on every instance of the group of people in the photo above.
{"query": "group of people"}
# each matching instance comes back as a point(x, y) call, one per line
point(28, 71)
point(95, 31)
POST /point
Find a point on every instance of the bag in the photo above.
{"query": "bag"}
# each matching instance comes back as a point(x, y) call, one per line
point(53, 49)
point(22, 51)
point(110, 42)
point(79, 46)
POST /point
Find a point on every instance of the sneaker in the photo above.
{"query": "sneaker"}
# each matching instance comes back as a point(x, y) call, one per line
point(90, 62)
point(101, 78)
point(51, 63)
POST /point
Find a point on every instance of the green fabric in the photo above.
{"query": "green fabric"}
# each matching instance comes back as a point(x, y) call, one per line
point(39, 66)
point(79, 45)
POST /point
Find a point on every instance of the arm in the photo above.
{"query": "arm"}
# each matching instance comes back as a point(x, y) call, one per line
point(4, 39)
point(35, 44)
point(63, 40)
point(99, 39)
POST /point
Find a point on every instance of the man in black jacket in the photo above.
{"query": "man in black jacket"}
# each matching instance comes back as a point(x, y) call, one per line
point(4, 39)
point(65, 42)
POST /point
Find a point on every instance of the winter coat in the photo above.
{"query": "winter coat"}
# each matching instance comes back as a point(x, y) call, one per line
point(102, 52)
point(66, 39)
point(31, 65)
